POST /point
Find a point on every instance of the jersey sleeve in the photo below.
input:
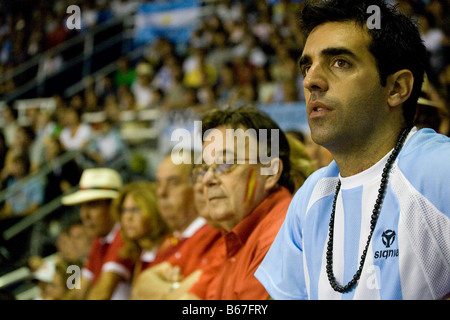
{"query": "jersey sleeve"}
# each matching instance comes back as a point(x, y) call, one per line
point(281, 272)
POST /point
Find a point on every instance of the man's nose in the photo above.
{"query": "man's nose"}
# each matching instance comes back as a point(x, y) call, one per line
point(315, 79)
point(161, 192)
point(209, 177)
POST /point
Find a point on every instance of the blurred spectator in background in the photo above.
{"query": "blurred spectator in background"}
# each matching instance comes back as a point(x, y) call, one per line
point(206, 98)
point(286, 91)
point(9, 117)
point(43, 274)
point(201, 265)
point(143, 227)
point(45, 129)
point(111, 109)
point(125, 99)
point(63, 176)
point(89, 16)
point(50, 65)
point(125, 75)
point(194, 285)
point(22, 200)
point(141, 87)
point(431, 111)
point(197, 71)
point(265, 88)
point(433, 39)
point(284, 67)
point(76, 103)
point(104, 88)
point(107, 145)
point(243, 70)
point(123, 7)
point(75, 135)
point(56, 29)
point(57, 288)
point(91, 101)
point(220, 52)
point(230, 11)
point(64, 250)
point(23, 141)
point(81, 241)
point(9, 84)
point(165, 76)
point(243, 94)
point(51, 277)
point(175, 93)
point(35, 42)
point(6, 47)
point(225, 85)
point(72, 247)
point(72, 244)
point(176, 203)
point(105, 275)
point(439, 9)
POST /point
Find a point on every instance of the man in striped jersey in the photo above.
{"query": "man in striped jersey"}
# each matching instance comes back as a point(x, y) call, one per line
point(375, 223)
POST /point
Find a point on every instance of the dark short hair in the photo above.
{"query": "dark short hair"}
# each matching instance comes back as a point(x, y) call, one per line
point(250, 117)
point(23, 159)
point(396, 45)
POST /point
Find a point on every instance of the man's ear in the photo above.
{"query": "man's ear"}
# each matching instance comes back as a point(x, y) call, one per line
point(401, 83)
point(273, 173)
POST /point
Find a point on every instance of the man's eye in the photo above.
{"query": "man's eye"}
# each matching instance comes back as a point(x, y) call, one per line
point(173, 183)
point(340, 63)
point(305, 70)
point(223, 167)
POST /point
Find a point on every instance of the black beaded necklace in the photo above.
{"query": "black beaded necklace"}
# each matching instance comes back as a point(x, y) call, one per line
point(373, 221)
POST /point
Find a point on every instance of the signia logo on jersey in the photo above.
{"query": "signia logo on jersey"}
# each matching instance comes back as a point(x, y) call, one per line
point(388, 239)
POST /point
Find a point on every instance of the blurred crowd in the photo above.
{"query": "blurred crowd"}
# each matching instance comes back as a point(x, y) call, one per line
point(161, 240)
point(245, 53)
point(29, 28)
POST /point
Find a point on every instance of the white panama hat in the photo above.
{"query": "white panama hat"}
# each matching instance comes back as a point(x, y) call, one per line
point(95, 184)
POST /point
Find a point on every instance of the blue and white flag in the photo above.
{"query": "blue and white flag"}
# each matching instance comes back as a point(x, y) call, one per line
point(174, 20)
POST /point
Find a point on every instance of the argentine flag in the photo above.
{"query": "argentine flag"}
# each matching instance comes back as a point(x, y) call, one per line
point(173, 20)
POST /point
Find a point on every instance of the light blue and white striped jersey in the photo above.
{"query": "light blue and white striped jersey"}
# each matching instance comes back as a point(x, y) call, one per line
point(409, 253)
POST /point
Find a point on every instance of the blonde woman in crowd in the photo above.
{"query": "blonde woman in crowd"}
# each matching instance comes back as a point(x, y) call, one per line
point(143, 228)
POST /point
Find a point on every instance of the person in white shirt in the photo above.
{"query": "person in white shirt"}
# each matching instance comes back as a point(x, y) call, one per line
point(75, 135)
point(374, 223)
